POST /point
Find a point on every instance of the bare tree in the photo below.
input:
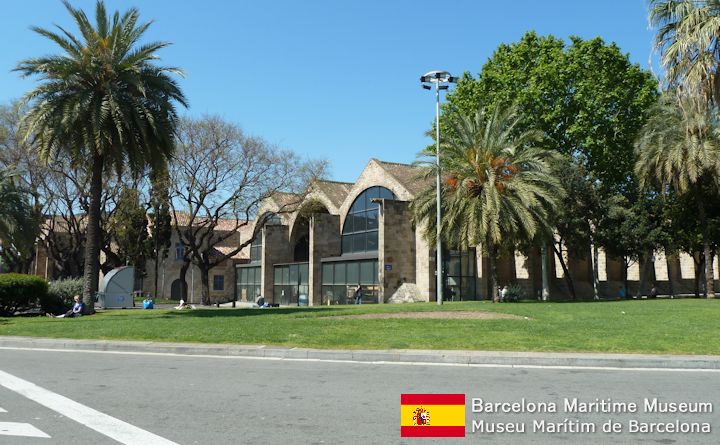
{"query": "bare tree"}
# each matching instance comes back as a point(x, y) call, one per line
point(218, 180)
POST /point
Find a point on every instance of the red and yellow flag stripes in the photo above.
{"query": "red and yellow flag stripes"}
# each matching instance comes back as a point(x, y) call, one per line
point(432, 415)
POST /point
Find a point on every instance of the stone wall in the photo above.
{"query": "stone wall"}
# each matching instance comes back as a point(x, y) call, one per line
point(396, 250)
point(424, 267)
point(276, 249)
point(324, 242)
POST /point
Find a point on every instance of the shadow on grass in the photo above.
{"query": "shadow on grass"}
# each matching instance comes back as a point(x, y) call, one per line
point(211, 313)
point(607, 300)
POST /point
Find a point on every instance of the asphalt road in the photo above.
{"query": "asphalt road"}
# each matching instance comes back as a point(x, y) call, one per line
point(212, 400)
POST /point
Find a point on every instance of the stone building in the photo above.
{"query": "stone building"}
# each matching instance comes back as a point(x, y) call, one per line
point(316, 248)
point(221, 277)
point(340, 235)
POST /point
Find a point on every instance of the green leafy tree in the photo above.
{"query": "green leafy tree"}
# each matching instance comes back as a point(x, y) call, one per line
point(497, 187)
point(633, 229)
point(129, 228)
point(160, 220)
point(576, 216)
point(19, 224)
point(687, 232)
point(103, 101)
point(588, 100)
point(586, 97)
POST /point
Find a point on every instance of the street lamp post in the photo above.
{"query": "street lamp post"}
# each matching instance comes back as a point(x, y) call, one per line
point(440, 79)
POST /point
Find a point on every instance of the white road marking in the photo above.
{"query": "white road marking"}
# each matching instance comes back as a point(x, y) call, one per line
point(114, 428)
point(20, 429)
point(2, 410)
point(379, 362)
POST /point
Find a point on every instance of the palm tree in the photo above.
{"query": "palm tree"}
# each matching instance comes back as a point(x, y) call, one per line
point(679, 146)
point(497, 185)
point(688, 40)
point(104, 102)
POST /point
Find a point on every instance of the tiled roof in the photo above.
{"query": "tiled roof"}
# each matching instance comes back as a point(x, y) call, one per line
point(223, 224)
point(287, 200)
point(227, 249)
point(335, 191)
point(410, 176)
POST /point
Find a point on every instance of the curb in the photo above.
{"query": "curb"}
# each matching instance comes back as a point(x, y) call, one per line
point(430, 357)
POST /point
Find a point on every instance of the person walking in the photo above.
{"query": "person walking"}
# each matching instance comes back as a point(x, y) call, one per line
point(358, 294)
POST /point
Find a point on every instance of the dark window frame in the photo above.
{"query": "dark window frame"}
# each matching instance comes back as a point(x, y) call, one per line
point(361, 212)
point(218, 282)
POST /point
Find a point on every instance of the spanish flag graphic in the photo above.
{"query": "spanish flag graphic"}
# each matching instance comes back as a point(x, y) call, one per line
point(432, 415)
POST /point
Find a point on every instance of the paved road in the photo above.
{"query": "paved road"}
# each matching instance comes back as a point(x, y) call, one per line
point(211, 400)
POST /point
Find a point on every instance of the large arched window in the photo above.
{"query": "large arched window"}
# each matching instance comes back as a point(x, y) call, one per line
point(360, 232)
point(256, 245)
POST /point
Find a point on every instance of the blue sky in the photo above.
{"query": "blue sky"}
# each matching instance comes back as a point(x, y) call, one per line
point(329, 79)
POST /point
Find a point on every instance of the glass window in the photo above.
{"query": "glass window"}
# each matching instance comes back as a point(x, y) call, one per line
point(372, 241)
point(179, 251)
point(386, 194)
point(340, 273)
point(372, 220)
point(454, 264)
point(347, 243)
point(353, 273)
point(346, 276)
point(256, 248)
point(294, 274)
point(278, 275)
point(248, 283)
point(327, 273)
point(304, 274)
point(361, 223)
point(459, 275)
point(368, 273)
point(218, 282)
point(359, 241)
point(272, 219)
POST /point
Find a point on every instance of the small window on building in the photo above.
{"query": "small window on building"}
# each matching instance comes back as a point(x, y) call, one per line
point(219, 282)
point(179, 251)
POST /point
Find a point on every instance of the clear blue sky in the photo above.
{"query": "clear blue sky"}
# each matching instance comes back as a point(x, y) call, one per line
point(329, 79)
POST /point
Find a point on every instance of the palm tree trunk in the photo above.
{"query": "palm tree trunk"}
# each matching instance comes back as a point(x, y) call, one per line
point(92, 242)
point(698, 273)
point(492, 269)
point(644, 261)
point(709, 277)
point(545, 277)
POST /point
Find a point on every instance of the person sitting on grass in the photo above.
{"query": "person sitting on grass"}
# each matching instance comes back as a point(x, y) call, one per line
point(184, 305)
point(76, 311)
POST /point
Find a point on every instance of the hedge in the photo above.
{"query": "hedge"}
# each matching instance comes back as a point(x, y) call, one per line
point(60, 294)
point(18, 291)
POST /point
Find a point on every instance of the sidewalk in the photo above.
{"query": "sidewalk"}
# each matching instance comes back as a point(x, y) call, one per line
point(442, 357)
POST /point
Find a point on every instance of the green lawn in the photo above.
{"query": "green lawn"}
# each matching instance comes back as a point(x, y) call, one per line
point(660, 326)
